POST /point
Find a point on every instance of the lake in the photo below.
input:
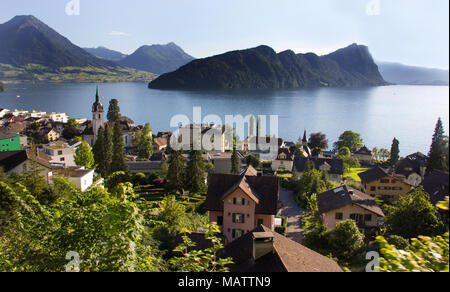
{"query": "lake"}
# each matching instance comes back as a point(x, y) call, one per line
point(408, 113)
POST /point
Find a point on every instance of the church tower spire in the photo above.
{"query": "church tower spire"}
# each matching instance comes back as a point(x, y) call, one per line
point(97, 115)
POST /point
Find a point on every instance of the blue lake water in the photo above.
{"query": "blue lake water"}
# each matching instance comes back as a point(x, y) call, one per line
point(408, 113)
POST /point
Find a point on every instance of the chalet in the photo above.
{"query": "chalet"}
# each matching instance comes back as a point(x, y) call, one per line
point(239, 203)
point(386, 184)
point(334, 167)
point(413, 167)
point(345, 203)
point(263, 250)
point(364, 155)
point(284, 160)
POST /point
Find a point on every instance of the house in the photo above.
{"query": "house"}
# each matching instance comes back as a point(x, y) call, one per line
point(203, 137)
point(284, 160)
point(50, 134)
point(159, 144)
point(3, 112)
point(263, 250)
point(381, 182)
point(254, 143)
point(334, 167)
point(413, 167)
point(239, 203)
point(364, 155)
point(61, 152)
point(9, 141)
point(58, 117)
point(82, 178)
point(25, 160)
point(222, 161)
point(345, 203)
point(436, 185)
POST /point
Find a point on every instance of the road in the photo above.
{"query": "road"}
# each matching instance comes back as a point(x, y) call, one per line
point(292, 211)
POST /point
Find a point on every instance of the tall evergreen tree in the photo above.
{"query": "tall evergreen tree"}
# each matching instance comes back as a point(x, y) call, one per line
point(195, 172)
point(113, 111)
point(99, 154)
point(176, 172)
point(395, 152)
point(144, 142)
point(107, 150)
point(118, 154)
point(437, 157)
point(235, 163)
point(164, 168)
point(84, 156)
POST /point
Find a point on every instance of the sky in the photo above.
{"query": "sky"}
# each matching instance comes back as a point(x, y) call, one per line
point(413, 32)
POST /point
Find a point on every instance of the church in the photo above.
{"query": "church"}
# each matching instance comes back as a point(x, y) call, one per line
point(91, 128)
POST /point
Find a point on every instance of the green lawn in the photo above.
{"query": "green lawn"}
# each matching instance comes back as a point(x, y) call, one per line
point(354, 173)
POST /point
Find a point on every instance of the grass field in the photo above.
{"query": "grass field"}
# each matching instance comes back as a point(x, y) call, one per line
point(354, 173)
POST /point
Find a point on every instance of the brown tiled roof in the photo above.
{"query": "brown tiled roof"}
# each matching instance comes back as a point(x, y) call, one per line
point(265, 189)
point(5, 133)
point(343, 196)
point(11, 159)
point(161, 142)
point(378, 172)
point(287, 256)
point(71, 171)
point(437, 186)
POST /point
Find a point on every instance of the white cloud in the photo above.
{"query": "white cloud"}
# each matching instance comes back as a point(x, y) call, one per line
point(118, 33)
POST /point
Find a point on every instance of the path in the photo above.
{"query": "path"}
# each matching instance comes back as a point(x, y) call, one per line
point(292, 211)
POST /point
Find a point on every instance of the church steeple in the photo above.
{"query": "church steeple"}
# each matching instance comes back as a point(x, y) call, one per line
point(305, 140)
point(97, 106)
point(97, 115)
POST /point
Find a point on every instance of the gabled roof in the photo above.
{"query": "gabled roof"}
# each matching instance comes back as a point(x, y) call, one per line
point(287, 256)
point(364, 151)
point(337, 165)
point(264, 190)
point(377, 173)
point(343, 196)
point(287, 154)
point(6, 133)
point(11, 159)
point(437, 186)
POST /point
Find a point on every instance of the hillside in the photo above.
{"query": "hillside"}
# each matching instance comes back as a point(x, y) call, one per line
point(262, 67)
point(158, 59)
point(105, 53)
point(412, 75)
point(32, 51)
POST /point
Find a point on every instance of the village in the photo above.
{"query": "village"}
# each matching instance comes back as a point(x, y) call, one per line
point(308, 208)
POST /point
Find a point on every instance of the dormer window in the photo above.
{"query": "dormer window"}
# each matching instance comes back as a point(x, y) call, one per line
point(239, 201)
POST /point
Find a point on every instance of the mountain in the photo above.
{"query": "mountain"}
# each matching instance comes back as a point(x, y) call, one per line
point(262, 67)
point(158, 59)
point(32, 51)
point(403, 74)
point(105, 53)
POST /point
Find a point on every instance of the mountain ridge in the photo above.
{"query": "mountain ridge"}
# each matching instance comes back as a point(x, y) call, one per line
point(413, 75)
point(262, 67)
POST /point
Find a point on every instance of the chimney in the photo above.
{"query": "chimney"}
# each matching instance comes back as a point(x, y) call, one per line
point(262, 244)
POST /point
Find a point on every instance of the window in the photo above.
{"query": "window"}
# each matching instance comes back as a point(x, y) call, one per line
point(62, 159)
point(11, 140)
point(238, 218)
point(373, 188)
point(237, 233)
point(220, 220)
point(60, 152)
point(339, 216)
point(397, 188)
point(260, 222)
point(239, 201)
point(367, 217)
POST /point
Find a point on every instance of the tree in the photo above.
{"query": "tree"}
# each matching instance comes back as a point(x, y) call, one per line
point(195, 172)
point(381, 154)
point(438, 155)
point(318, 140)
point(311, 182)
point(413, 215)
point(201, 261)
point(72, 124)
point(395, 152)
point(176, 172)
point(349, 139)
point(424, 254)
point(253, 161)
point(346, 240)
point(164, 168)
point(296, 149)
point(344, 152)
point(118, 153)
point(235, 163)
point(144, 141)
point(113, 111)
point(84, 156)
